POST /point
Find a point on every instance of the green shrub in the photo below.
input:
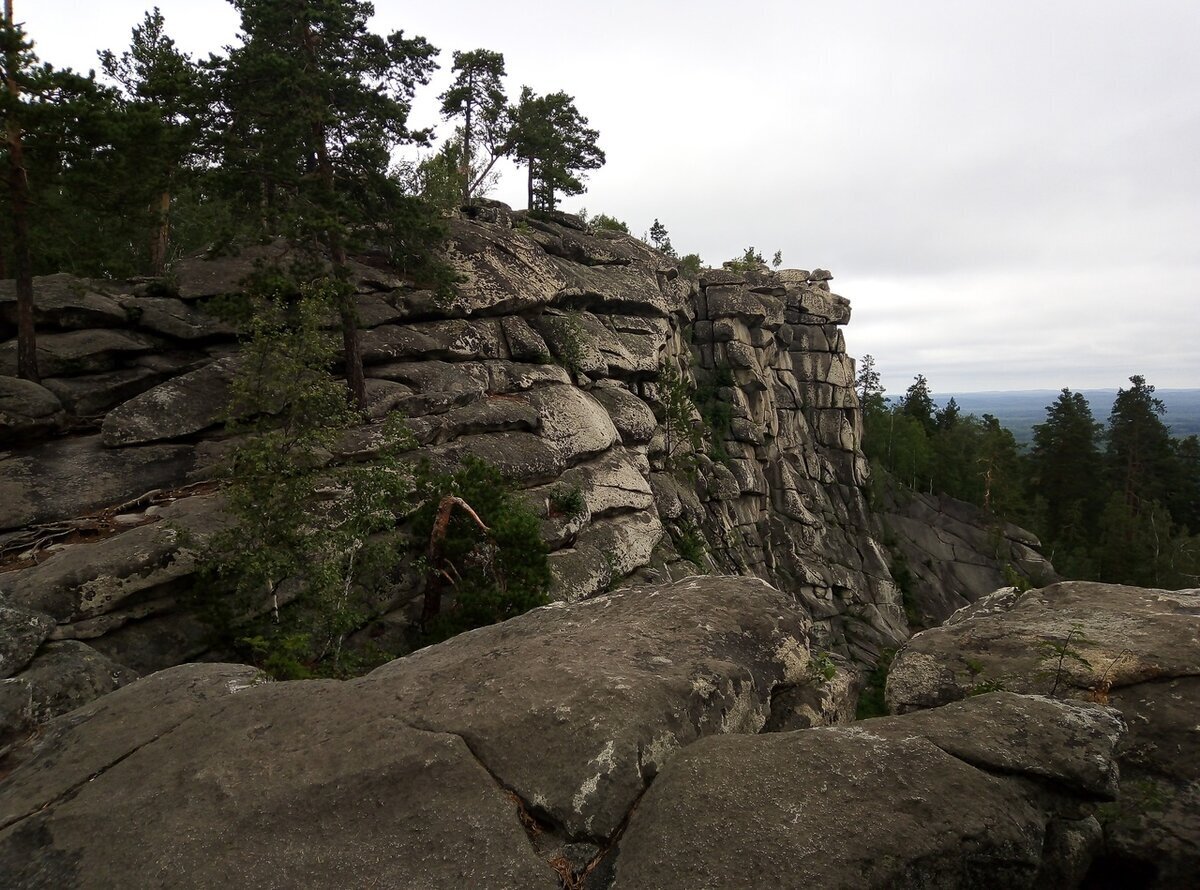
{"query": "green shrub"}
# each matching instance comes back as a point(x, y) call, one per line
point(492, 576)
point(567, 501)
point(871, 701)
point(297, 569)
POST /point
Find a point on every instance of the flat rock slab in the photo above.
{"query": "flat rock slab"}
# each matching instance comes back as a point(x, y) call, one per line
point(72, 477)
point(577, 707)
point(1100, 633)
point(63, 301)
point(179, 407)
point(78, 352)
point(883, 803)
point(269, 785)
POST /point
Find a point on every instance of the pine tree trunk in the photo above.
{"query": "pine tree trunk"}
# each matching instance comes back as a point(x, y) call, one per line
point(351, 344)
point(530, 163)
point(466, 156)
point(160, 240)
point(18, 185)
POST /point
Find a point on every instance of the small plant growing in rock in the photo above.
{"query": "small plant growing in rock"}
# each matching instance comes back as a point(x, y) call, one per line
point(570, 347)
point(871, 701)
point(689, 543)
point(567, 501)
point(821, 668)
point(1058, 652)
point(683, 434)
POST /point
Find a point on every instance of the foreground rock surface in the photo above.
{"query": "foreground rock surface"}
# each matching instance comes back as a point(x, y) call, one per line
point(425, 773)
point(1135, 649)
point(969, 795)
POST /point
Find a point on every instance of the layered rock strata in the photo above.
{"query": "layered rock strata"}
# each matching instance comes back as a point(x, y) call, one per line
point(548, 361)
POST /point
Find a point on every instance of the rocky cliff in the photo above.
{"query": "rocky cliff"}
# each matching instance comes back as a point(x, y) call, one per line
point(548, 362)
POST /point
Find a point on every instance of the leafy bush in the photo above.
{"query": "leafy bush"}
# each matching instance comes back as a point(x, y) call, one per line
point(296, 570)
point(491, 575)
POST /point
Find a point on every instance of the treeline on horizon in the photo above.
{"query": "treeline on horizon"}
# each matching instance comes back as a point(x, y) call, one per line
point(1116, 502)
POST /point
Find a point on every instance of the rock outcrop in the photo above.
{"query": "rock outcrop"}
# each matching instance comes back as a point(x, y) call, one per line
point(612, 742)
point(1136, 650)
point(547, 361)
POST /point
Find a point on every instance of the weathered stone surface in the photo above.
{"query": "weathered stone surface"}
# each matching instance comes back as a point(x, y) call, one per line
point(71, 477)
point(179, 407)
point(501, 270)
point(955, 553)
point(173, 318)
point(630, 415)
point(572, 421)
point(524, 343)
point(65, 302)
point(60, 678)
point(95, 394)
point(21, 633)
point(1134, 648)
point(78, 352)
point(27, 410)
point(90, 579)
point(300, 784)
point(577, 707)
point(885, 803)
point(452, 339)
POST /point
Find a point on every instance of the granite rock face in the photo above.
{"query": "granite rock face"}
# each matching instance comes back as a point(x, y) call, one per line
point(548, 362)
point(1137, 650)
point(484, 761)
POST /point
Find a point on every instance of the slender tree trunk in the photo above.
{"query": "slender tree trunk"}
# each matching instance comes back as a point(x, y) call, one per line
point(530, 163)
point(160, 240)
point(351, 344)
point(466, 156)
point(18, 186)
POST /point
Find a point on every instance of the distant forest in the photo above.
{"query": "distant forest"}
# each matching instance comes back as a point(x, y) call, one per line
point(1019, 410)
point(1117, 501)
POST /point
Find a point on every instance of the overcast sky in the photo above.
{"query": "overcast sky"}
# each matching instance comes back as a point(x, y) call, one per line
point(1007, 191)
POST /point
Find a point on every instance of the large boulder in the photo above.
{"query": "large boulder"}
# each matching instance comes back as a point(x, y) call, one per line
point(1132, 648)
point(310, 784)
point(969, 795)
point(427, 772)
point(27, 410)
point(65, 302)
point(79, 352)
point(178, 407)
point(576, 708)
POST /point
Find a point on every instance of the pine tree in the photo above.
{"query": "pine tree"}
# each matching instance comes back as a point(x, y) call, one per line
point(553, 140)
point(917, 403)
point(477, 96)
point(1065, 465)
point(660, 240)
point(315, 103)
point(1139, 449)
point(162, 88)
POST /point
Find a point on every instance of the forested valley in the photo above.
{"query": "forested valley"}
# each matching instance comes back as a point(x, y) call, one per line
point(1118, 502)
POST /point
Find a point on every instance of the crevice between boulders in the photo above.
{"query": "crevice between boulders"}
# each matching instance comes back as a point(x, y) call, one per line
point(70, 792)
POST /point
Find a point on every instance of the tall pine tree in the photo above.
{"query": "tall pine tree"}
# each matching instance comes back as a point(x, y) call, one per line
point(315, 103)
